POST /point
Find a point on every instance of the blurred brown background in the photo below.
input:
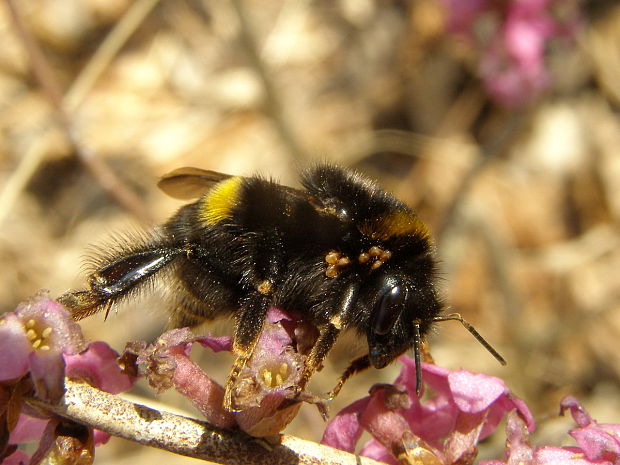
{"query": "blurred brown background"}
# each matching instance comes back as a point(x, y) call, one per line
point(524, 202)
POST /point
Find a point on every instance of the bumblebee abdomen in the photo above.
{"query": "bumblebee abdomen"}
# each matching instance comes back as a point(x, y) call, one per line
point(248, 203)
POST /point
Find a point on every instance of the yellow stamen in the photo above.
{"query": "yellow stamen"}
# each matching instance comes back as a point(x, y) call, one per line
point(267, 377)
point(31, 334)
point(284, 369)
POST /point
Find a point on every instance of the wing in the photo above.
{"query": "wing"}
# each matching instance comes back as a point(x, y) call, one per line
point(190, 183)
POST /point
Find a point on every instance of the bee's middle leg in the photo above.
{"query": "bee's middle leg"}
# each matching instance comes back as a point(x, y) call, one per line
point(249, 325)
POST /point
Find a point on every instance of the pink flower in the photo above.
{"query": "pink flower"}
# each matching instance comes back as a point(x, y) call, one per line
point(28, 429)
point(98, 366)
point(598, 444)
point(464, 408)
point(264, 397)
point(40, 344)
point(511, 39)
point(513, 67)
point(597, 441)
point(33, 340)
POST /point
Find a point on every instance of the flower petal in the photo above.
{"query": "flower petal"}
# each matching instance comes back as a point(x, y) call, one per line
point(498, 410)
point(100, 437)
point(65, 335)
point(14, 348)
point(549, 455)
point(517, 441)
point(597, 443)
point(475, 392)
point(373, 449)
point(384, 424)
point(216, 343)
point(98, 365)
point(580, 415)
point(344, 430)
point(435, 418)
point(461, 444)
point(206, 395)
point(47, 371)
point(27, 429)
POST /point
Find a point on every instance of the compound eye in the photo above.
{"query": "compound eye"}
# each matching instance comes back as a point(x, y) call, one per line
point(388, 309)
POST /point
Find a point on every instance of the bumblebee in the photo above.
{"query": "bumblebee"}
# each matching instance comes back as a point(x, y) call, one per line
point(341, 252)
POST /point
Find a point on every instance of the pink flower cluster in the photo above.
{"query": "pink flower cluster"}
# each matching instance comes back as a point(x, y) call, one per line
point(512, 38)
point(40, 345)
point(597, 443)
point(265, 401)
point(461, 409)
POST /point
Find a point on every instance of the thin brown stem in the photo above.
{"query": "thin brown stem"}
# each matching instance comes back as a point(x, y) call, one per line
point(185, 436)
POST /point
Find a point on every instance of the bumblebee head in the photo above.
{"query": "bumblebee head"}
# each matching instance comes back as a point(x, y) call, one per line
point(401, 312)
point(400, 309)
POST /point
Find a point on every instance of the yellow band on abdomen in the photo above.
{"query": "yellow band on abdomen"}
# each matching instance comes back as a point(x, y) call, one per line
point(398, 223)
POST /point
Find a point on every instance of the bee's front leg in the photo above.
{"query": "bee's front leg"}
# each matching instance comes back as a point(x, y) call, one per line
point(359, 364)
point(329, 333)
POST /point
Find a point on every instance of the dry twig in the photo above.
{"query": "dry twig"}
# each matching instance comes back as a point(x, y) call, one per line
point(185, 436)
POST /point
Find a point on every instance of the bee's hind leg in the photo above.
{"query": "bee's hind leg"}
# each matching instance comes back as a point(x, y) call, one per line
point(116, 279)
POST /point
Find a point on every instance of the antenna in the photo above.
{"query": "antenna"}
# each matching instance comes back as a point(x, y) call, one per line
point(417, 358)
point(472, 330)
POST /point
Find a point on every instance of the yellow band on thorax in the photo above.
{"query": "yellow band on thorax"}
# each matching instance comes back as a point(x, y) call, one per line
point(218, 204)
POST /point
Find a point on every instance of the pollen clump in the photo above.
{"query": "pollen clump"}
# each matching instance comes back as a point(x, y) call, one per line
point(335, 261)
point(265, 287)
point(375, 256)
